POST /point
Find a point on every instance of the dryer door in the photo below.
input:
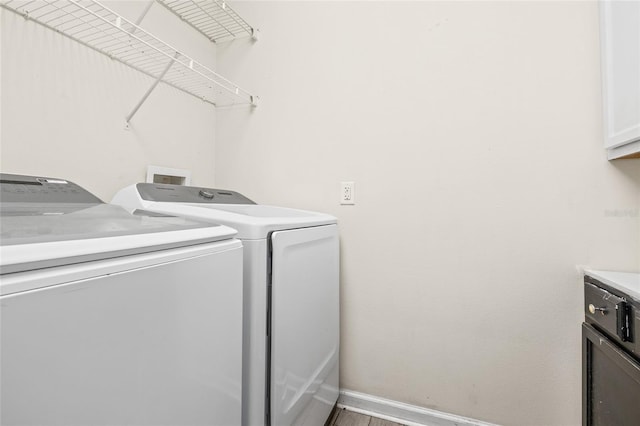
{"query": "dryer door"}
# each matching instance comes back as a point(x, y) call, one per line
point(305, 335)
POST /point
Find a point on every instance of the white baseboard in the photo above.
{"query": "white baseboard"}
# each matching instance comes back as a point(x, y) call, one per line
point(400, 412)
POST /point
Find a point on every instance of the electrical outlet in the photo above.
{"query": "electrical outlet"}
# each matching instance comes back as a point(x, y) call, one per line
point(347, 193)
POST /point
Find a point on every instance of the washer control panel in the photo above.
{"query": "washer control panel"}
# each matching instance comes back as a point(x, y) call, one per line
point(34, 189)
point(189, 194)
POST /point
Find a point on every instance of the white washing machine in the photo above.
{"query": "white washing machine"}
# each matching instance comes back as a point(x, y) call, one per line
point(291, 298)
point(112, 318)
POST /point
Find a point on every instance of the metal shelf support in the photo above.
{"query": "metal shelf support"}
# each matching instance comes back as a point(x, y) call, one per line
point(153, 86)
point(144, 12)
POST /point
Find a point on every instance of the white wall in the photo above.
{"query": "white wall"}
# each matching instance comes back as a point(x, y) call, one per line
point(473, 133)
point(64, 107)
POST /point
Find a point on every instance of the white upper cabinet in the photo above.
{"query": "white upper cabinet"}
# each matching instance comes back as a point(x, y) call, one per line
point(620, 51)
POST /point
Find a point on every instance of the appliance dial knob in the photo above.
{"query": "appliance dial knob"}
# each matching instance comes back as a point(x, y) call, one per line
point(206, 194)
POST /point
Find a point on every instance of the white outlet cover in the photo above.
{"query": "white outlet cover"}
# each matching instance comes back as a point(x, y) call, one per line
point(347, 193)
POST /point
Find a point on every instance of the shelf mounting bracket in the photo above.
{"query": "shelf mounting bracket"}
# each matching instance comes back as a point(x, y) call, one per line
point(144, 13)
point(153, 86)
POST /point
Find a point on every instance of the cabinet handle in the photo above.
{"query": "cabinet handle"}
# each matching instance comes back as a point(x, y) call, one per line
point(593, 309)
point(622, 321)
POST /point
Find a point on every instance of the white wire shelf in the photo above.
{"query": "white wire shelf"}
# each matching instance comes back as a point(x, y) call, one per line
point(97, 27)
point(213, 18)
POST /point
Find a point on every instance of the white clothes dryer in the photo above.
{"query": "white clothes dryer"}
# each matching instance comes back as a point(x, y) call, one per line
point(113, 318)
point(291, 334)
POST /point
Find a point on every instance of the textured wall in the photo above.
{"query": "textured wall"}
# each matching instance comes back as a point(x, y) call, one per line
point(473, 133)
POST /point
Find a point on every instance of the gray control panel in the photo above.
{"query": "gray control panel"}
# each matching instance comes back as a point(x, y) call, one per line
point(189, 194)
point(33, 189)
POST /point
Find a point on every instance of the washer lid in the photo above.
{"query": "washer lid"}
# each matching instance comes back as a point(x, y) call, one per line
point(39, 234)
point(53, 235)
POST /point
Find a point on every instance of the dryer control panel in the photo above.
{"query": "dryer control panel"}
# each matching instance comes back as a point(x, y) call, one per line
point(189, 194)
point(33, 189)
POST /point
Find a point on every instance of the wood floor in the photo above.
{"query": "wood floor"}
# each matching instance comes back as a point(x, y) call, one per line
point(344, 417)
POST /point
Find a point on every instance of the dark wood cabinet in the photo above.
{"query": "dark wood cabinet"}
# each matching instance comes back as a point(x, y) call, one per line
point(610, 358)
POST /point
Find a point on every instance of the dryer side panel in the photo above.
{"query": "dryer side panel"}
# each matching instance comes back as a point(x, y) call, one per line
point(254, 332)
point(305, 328)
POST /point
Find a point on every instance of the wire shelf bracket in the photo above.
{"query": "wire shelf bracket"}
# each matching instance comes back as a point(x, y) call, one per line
point(93, 25)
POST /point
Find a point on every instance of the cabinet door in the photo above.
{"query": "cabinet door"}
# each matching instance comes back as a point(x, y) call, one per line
point(620, 44)
point(610, 382)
